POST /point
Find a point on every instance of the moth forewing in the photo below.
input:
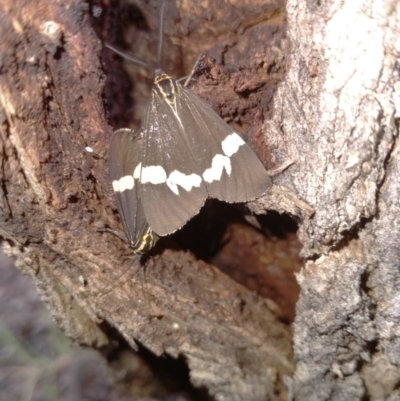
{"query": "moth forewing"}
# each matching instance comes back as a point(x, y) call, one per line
point(172, 191)
point(189, 154)
point(124, 156)
point(231, 170)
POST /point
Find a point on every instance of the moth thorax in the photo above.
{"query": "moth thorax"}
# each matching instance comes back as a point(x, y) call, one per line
point(166, 88)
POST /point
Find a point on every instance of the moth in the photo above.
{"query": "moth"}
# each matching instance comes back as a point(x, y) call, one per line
point(184, 154)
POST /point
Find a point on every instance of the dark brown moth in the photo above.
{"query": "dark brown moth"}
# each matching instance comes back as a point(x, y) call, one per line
point(184, 154)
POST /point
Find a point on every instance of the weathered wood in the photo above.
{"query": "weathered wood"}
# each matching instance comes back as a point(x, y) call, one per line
point(55, 195)
point(335, 115)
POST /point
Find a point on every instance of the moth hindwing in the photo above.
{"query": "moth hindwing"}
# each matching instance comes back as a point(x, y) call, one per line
point(189, 154)
point(124, 155)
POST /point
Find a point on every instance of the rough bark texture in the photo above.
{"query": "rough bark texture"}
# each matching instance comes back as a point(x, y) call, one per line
point(334, 115)
point(337, 115)
point(55, 195)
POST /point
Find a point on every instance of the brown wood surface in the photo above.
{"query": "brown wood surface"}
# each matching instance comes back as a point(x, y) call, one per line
point(55, 195)
point(332, 114)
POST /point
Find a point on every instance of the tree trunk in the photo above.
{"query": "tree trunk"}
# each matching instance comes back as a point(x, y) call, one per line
point(333, 115)
point(340, 107)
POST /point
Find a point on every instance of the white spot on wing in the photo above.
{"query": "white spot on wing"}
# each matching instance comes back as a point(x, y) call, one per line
point(218, 164)
point(187, 182)
point(137, 171)
point(123, 184)
point(153, 174)
point(231, 144)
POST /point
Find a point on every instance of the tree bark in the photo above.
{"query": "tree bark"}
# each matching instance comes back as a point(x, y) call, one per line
point(334, 114)
point(337, 114)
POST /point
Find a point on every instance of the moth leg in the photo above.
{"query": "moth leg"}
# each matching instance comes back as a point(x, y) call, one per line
point(114, 232)
point(281, 168)
point(113, 283)
point(182, 78)
point(193, 70)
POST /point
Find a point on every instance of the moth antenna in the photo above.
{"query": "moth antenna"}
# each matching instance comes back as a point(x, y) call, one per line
point(134, 59)
point(160, 37)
